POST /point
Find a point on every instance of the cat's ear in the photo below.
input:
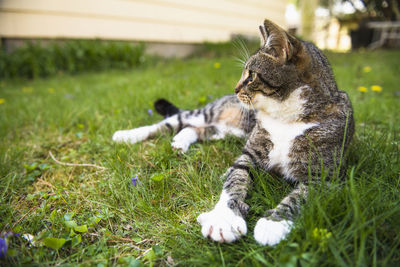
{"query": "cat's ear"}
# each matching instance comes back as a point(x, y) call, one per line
point(280, 44)
point(263, 36)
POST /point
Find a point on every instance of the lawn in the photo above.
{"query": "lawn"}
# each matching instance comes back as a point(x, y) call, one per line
point(96, 215)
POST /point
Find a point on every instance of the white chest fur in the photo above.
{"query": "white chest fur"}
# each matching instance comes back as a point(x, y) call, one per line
point(282, 135)
point(280, 119)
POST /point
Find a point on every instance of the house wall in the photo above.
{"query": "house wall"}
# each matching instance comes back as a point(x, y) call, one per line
point(171, 21)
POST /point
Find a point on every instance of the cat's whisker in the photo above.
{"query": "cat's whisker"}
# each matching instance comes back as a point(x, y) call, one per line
point(238, 48)
point(243, 51)
point(277, 92)
point(248, 116)
point(244, 47)
point(252, 106)
point(244, 114)
point(240, 62)
point(242, 117)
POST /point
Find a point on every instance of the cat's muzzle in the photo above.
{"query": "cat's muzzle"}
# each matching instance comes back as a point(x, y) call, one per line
point(244, 99)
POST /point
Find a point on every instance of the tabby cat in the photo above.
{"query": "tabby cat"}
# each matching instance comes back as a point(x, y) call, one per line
point(295, 119)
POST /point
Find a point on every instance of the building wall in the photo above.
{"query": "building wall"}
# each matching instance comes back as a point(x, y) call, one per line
point(173, 21)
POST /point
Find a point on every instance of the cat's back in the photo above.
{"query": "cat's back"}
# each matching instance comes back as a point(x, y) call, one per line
point(323, 101)
point(322, 77)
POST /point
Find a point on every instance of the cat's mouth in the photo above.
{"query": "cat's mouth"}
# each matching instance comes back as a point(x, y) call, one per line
point(247, 99)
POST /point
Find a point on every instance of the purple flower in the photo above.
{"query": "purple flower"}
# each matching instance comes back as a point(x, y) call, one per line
point(3, 248)
point(150, 112)
point(135, 180)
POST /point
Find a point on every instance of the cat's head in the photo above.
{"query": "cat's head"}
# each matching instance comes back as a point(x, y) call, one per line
point(276, 69)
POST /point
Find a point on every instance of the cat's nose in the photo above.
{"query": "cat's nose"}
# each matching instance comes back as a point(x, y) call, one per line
point(238, 87)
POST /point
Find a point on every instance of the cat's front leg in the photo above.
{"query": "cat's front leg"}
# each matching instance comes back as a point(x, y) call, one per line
point(225, 223)
point(222, 224)
point(184, 139)
point(277, 224)
point(135, 135)
point(190, 135)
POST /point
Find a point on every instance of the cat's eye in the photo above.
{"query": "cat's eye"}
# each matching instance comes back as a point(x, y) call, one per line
point(253, 75)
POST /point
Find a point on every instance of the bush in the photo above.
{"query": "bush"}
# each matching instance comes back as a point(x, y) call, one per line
point(239, 45)
point(34, 60)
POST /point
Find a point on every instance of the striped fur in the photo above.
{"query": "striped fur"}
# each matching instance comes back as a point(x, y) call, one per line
point(297, 123)
point(224, 116)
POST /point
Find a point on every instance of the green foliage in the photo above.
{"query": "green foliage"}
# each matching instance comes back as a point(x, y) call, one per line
point(35, 170)
point(35, 59)
point(385, 10)
point(107, 221)
point(54, 243)
point(157, 177)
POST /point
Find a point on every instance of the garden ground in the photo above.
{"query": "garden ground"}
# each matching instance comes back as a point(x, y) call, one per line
point(140, 202)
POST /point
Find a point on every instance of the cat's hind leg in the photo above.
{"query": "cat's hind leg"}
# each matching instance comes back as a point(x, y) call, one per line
point(191, 125)
point(277, 224)
point(190, 135)
point(177, 122)
point(134, 135)
point(142, 133)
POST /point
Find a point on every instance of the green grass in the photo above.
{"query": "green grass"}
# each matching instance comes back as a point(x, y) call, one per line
point(355, 223)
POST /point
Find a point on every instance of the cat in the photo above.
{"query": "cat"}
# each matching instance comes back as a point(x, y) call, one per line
point(295, 119)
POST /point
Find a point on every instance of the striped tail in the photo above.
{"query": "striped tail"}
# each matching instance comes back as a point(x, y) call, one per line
point(165, 108)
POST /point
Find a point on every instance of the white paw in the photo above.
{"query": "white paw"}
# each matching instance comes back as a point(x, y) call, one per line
point(222, 225)
point(180, 145)
point(268, 232)
point(132, 136)
point(218, 136)
point(184, 139)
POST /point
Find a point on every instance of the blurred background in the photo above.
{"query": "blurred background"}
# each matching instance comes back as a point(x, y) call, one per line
point(176, 28)
point(331, 24)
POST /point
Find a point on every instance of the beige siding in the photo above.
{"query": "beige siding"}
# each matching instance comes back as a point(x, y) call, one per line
point(179, 21)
